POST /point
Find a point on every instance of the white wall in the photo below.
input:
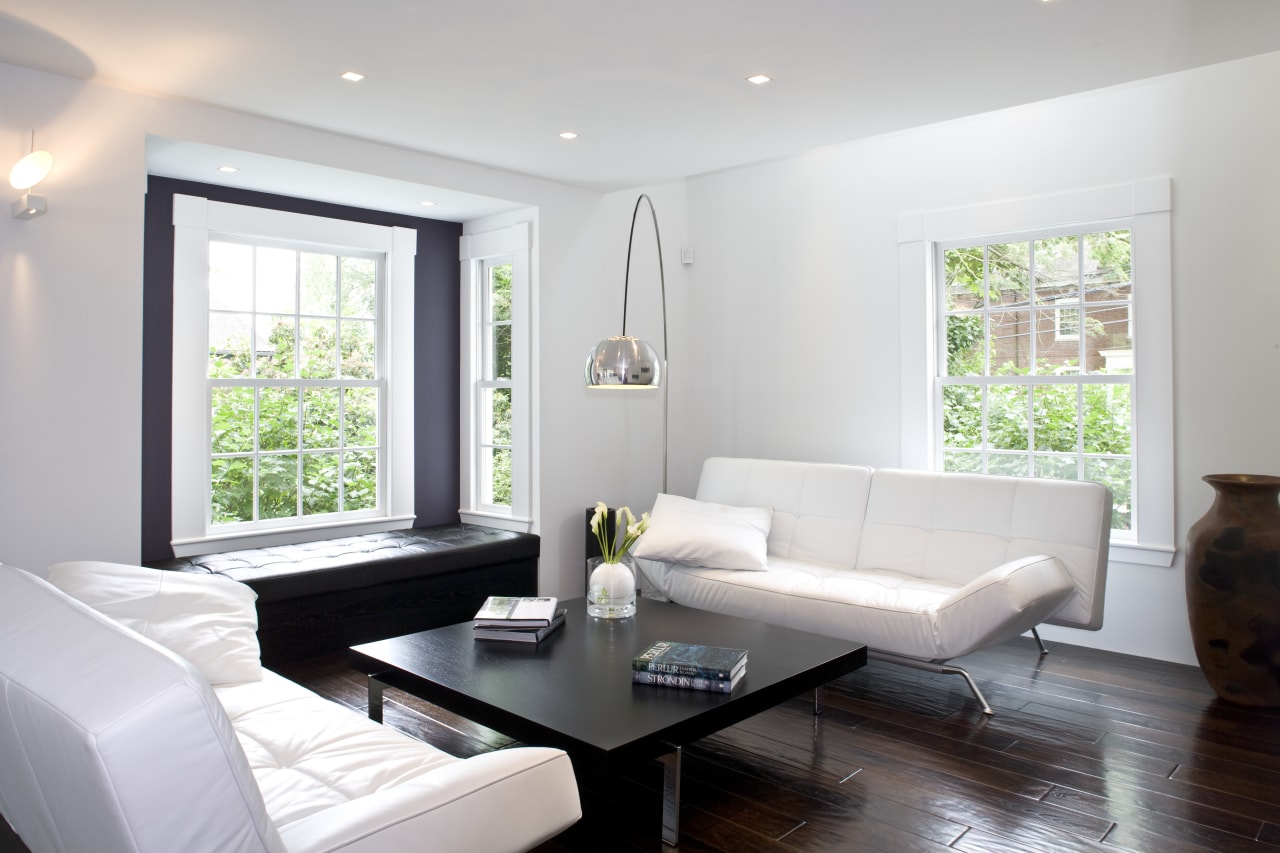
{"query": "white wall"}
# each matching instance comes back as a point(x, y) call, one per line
point(70, 329)
point(797, 268)
point(71, 312)
point(606, 445)
point(783, 333)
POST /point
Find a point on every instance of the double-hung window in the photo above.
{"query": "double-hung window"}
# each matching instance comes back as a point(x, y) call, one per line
point(292, 374)
point(497, 465)
point(493, 387)
point(1036, 342)
point(1030, 382)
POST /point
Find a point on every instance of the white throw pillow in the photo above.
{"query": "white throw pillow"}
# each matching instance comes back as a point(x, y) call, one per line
point(715, 536)
point(210, 621)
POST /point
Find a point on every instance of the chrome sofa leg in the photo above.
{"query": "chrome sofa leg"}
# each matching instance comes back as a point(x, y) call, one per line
point(973, 685)
point(1044, 650)
point(938, 667)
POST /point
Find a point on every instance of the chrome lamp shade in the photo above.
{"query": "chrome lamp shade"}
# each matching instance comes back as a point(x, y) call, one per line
point(624, 363)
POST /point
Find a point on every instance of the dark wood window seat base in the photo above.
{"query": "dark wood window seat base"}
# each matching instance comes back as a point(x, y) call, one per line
point(315, 598)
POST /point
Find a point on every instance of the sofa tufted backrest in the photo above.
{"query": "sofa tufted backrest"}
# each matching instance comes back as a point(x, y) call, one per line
point(954, 527)
point(111, 742)
point(948, 526)
point(817, 507)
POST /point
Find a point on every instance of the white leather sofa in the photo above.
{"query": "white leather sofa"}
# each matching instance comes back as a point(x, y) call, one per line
point(145, 723)
point(922, 567)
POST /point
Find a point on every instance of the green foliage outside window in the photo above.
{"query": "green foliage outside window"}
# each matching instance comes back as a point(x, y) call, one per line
point(302, 449)
point(499, 399)
point(1073, 430)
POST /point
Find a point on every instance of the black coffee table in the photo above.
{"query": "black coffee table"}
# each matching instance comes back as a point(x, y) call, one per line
point(574, 690)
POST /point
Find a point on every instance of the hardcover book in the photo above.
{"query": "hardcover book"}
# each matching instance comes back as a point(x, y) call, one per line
point(501, 611)
point(692, 682)
point(520, 635)
point(712, 662)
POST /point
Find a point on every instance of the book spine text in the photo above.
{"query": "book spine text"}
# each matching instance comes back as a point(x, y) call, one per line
point(712, 685)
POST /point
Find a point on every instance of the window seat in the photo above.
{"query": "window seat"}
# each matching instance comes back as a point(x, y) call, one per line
point(318, 597)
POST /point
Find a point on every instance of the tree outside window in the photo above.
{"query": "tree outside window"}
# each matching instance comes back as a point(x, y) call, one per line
point(495, 387)
point(1038, 376)
point(295, 396)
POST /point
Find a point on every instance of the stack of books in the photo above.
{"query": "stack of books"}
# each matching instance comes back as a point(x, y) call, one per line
point(515, 619)
point(691, 666)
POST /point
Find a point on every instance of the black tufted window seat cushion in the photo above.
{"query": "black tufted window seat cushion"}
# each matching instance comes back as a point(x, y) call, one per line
point(318, 597)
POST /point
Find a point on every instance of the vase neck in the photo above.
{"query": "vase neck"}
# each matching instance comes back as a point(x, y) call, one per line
point(1243, 482)
point(1255, 495)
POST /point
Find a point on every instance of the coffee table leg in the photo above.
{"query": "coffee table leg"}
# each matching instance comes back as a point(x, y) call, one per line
point(375, 698)
point(671, 797)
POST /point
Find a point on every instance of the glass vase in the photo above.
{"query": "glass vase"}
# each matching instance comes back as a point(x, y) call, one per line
point(611, 588)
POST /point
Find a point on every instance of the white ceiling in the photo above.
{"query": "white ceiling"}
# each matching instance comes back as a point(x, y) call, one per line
point(655, 89)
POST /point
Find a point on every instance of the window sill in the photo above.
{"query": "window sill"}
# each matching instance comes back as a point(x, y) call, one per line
point(1138, 554)
point(307, 533)
point(501, 522)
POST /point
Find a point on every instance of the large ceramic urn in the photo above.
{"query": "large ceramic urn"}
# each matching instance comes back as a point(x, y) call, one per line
point(1233, 589)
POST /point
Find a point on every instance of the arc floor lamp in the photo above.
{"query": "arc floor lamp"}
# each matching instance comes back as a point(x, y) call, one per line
point(625, 363)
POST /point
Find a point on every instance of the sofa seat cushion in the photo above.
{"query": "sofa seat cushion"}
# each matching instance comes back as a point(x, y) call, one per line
point(886, 610)
point(309, 754)
point(814, 581)
point(332, 779)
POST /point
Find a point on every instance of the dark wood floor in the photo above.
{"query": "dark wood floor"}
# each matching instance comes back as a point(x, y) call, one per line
point(1088, 750)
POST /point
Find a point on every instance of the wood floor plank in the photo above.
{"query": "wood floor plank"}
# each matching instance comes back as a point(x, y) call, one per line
point(926, 786)
point(978, 841)
point(825, 804)
point(1088, 751)
point(1231, 767)
point(1253, 749)
point(1163, 817)
point(1013, 724)
point(1258, 786)
point(1098, 759)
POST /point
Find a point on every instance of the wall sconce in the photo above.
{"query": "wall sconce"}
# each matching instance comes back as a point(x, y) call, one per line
point(29, 171)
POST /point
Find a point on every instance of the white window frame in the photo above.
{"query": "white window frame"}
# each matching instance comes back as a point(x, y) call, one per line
point(511, 244)
point(1073, 305)
point(196, 220)
point(1147, 206)
point(488, 382)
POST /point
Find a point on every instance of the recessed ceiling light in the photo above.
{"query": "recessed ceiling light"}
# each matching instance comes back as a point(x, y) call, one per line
point(568, 134)
point(353, 76)
point(759, 79)
point(427, 203)
point(228, 169)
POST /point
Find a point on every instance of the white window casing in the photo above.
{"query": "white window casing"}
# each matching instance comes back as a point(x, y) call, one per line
point(1147, 206)
point(195, 219)
point(511, 244)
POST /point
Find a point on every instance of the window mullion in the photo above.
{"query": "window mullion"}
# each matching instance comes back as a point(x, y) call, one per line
point(1023, 415)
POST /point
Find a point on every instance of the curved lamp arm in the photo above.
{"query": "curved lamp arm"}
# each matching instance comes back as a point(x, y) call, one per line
point(662, 276)
point(628, 363)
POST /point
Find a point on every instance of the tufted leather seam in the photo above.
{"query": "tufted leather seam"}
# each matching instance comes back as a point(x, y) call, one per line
point(789, 594)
